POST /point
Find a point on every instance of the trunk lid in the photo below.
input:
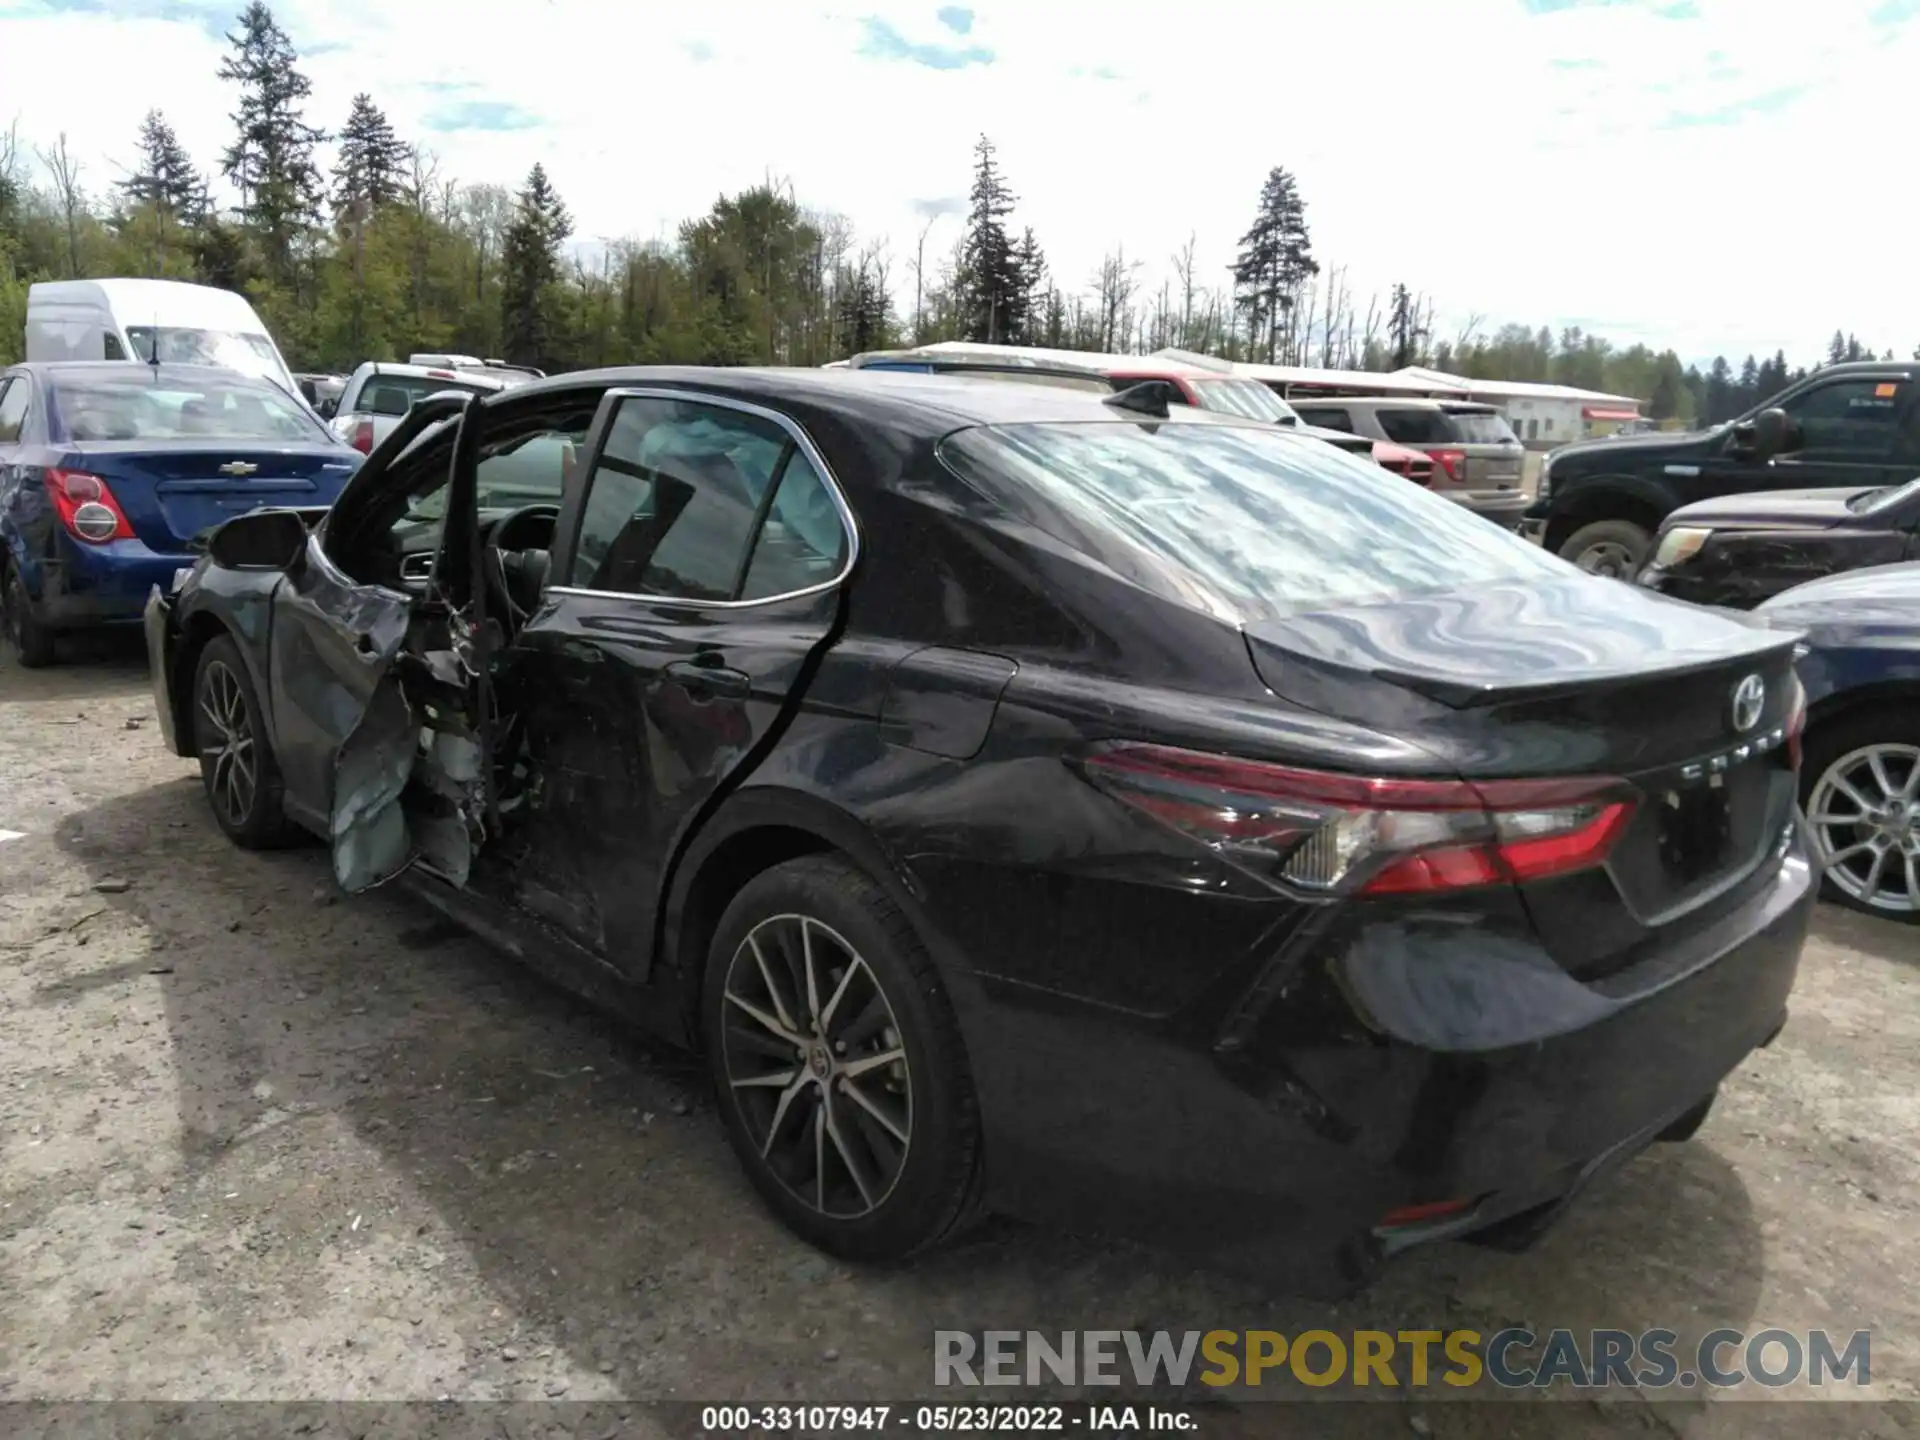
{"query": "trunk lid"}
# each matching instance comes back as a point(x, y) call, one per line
point(173, 493)
point(1581, 676)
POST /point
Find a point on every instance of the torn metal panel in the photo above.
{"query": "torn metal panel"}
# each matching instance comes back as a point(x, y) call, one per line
point(372, 769)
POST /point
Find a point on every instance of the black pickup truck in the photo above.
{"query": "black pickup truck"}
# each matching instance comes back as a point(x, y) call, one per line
point(1600, 502)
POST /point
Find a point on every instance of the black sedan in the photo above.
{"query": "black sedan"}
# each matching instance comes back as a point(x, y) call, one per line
point(1027, 803)
point(1743, 549)
point(1860, 785)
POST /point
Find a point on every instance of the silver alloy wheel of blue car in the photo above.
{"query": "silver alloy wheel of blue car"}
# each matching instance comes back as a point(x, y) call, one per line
point(1865, 813)
point(817, 1065)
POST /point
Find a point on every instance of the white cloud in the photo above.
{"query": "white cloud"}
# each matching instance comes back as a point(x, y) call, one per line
point(1513, 165)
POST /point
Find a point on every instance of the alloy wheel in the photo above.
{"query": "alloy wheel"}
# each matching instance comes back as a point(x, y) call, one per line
point(815, 1060)
point(1865, 813)
point(1608, 557)
point(235, 774)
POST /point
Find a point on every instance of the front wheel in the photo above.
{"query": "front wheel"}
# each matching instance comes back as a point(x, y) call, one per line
point(236, 766)
point(838, 1063)
point(32, 643)
point(1615, 548)
point(1860, 787)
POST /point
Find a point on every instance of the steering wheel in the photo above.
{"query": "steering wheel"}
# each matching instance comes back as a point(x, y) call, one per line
point(507, 536)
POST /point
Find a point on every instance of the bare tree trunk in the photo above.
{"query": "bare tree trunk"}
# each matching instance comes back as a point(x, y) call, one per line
point(1183, 268)
point(65, 169)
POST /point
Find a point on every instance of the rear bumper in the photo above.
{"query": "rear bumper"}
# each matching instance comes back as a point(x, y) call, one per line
point(100, 584)
point(1402, 1066)
point(1500, 509)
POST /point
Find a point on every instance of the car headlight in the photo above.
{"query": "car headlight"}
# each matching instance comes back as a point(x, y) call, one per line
point(1680, 545)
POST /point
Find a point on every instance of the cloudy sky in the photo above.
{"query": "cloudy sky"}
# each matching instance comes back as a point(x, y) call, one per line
point(1718, 175)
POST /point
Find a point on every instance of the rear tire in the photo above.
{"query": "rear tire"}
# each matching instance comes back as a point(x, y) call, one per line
point(1860, 750)
point(1617, 548)
point(32, 643)
point(868, 1158)
point(237, 766)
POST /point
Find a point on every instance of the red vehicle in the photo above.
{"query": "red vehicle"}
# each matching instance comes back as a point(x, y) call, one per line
point(1237, 395)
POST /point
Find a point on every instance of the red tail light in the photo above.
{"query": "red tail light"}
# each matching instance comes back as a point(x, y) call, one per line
point(363, 437)
point(86, 507)
point(1348, 834)
point(1454, 462)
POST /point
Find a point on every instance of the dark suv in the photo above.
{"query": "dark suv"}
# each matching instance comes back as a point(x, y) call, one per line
point(1600, 502)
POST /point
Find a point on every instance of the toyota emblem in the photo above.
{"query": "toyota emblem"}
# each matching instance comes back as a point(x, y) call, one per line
point(1749, 699)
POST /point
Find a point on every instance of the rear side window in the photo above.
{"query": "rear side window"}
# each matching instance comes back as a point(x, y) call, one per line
point(14, 395)
point(1415, 427)
point(677, 499)
point(1246, 522)
point(1327, 417)
point(802, 543)
point(1481, 427)
point(111, 343)
point(393, 395)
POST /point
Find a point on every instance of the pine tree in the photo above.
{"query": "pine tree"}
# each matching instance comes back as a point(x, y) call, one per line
point(1275, 260)
point(372, 168)
point(1749, 382)
point(166, 179)
point(1720, 394)
point(1030, 318)
point(529, 271)
point(991, 287)
point(1837, 349)
point(271, 161)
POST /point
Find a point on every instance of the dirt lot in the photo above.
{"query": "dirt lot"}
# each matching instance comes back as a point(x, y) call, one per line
point(260, 1143)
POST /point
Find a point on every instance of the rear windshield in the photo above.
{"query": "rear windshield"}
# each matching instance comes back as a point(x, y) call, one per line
point(1246, 522)
point(1481, 427)
point(1243, 397)
point(396, 394)
point(97, 407)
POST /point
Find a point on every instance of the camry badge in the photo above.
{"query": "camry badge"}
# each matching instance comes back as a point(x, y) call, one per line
point(238, 467)
point(1749, 699)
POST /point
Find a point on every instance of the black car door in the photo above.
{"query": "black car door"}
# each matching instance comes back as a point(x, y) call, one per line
point(696, 576)
point(332, 642)
point(1853, 429)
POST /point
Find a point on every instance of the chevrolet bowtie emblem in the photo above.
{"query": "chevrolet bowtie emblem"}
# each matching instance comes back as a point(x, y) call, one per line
point(238, 467)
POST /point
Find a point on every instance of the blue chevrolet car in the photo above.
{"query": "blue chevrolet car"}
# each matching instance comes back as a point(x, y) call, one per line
point(109, 470)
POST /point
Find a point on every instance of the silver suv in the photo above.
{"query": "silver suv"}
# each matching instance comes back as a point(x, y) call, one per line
point(379, 393)
point(1477, 457)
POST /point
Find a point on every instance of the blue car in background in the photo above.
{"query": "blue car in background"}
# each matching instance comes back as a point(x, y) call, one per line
point(109, 470)
point(1860, 774)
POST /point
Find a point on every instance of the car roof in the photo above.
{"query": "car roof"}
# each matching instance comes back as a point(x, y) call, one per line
point(485, 378)
point(929, 404)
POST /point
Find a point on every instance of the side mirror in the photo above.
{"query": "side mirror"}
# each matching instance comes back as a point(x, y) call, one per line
point(326, 409)
point(259, 540)
point(1772, 432)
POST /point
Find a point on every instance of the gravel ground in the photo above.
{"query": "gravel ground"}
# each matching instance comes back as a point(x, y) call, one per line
point(259, 1143)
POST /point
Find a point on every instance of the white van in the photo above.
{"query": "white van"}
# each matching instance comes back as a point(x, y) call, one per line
point(135, 319)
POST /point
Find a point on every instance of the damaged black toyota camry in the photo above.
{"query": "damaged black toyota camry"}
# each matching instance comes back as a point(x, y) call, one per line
point(1031, 801)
